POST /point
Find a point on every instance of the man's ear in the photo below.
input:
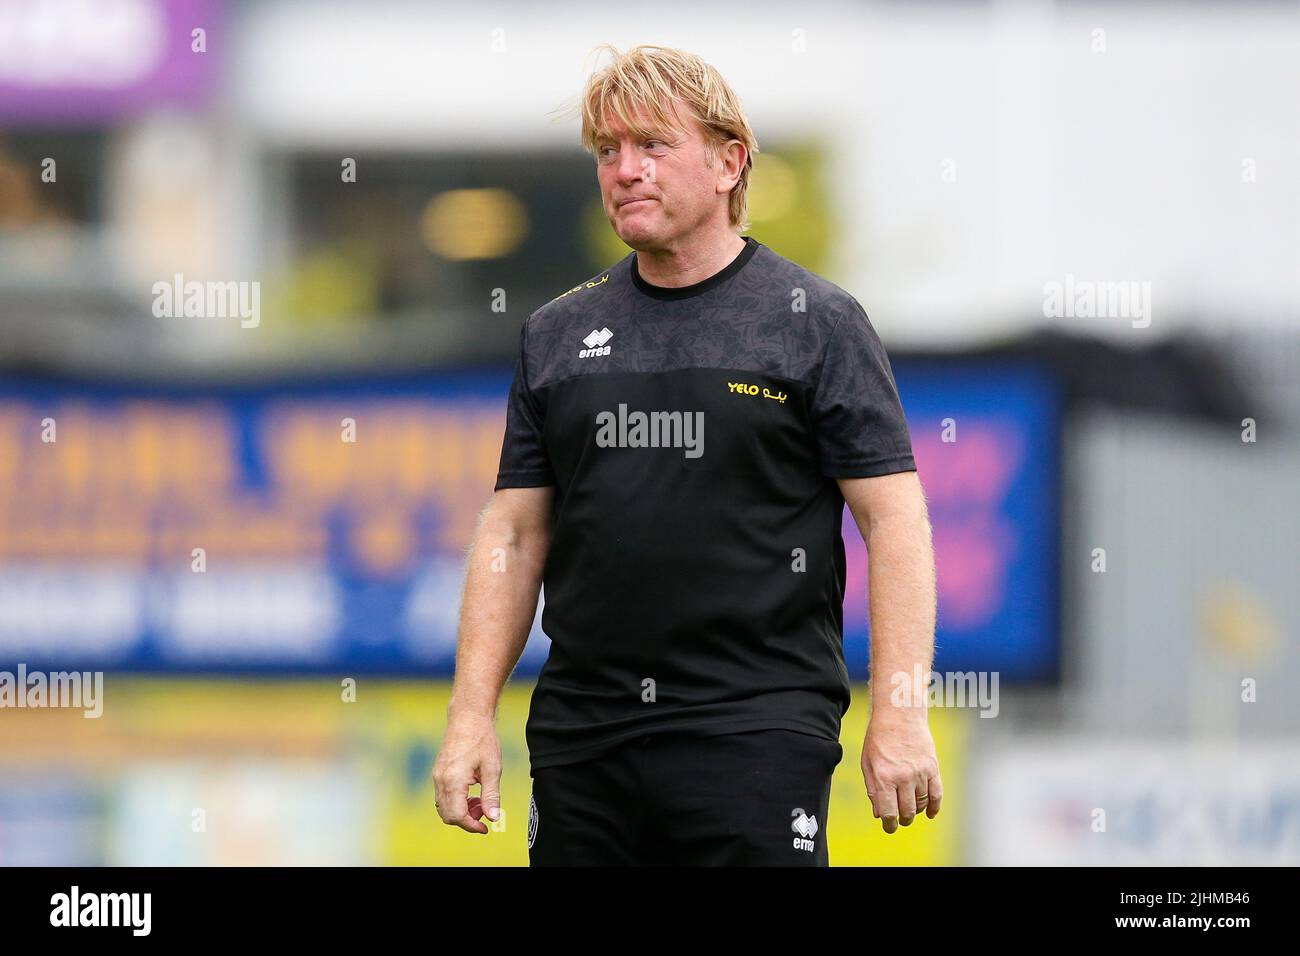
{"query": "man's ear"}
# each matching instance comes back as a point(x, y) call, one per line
point(740, 166)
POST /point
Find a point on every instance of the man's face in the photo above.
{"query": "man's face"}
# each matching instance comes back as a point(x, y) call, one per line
point(658, 187)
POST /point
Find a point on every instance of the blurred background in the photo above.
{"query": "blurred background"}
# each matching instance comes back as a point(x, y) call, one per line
point(1075, 225)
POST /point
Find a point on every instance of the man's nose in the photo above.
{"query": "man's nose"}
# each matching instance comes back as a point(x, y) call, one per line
point(630, 169)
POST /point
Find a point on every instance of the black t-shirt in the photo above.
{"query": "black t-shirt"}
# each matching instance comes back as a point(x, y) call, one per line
point(695, 579)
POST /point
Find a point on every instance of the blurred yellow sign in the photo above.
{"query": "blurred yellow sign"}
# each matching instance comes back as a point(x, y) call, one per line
point(381, 736)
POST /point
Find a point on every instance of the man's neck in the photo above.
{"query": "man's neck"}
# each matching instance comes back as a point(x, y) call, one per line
point(690, 261)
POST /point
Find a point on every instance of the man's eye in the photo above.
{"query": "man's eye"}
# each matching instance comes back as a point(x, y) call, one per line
point(654, 142)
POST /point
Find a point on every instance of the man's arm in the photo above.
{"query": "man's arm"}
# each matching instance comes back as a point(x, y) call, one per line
point(898, 756)
point(497, 610)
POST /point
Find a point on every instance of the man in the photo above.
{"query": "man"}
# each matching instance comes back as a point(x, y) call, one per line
point(682, 434)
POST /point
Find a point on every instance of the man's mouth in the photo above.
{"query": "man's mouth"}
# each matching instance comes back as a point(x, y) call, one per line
point(630, 202)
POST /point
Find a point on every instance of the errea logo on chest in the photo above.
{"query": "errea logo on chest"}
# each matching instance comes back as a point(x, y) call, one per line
point(595, 343)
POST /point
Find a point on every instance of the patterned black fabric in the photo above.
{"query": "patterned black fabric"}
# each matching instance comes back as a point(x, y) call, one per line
point(750, 322)
point(697, 559)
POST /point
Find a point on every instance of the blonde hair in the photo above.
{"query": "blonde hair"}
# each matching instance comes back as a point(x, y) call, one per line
point(646, 79)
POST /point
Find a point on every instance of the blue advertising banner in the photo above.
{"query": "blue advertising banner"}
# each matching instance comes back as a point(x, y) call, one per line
point(323, 527)
point(986, 439)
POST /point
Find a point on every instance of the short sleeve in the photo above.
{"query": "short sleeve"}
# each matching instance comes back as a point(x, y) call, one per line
point(857, 415)
point(524, 462)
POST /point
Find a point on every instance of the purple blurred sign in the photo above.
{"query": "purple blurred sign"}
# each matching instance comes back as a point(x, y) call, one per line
point(99, 60)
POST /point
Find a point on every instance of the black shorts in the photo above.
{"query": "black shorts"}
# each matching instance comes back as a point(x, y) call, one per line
point(756, 798)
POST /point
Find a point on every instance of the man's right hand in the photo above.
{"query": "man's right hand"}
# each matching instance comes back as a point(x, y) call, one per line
point(470, 754)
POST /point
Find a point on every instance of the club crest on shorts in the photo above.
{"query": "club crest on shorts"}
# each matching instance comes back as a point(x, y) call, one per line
point(532, 821)
point(805, 826)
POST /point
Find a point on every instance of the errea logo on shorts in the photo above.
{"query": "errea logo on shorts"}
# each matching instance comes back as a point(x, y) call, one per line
point(806, 828)
point(595, 343)
point(532, 821)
